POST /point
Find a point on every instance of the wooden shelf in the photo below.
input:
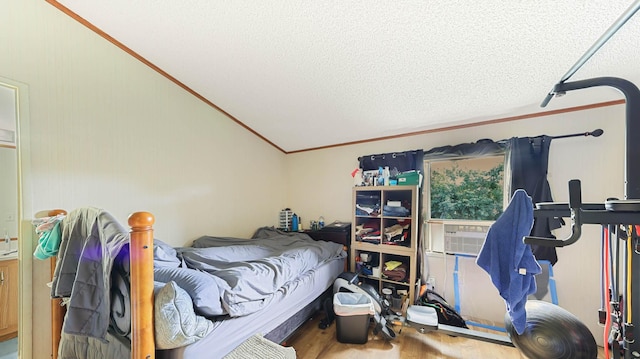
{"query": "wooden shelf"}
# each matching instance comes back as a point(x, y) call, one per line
point(375, 198)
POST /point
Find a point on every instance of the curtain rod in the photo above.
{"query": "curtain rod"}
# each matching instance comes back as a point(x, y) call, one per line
point(595, 133)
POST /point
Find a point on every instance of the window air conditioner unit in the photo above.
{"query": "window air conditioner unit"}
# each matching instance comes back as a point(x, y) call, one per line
point(464, 239)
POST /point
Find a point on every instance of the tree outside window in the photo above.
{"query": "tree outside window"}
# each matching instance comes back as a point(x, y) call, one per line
point(469, 189)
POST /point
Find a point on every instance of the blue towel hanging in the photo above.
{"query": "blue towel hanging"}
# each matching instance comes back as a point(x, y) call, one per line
point(508, 260)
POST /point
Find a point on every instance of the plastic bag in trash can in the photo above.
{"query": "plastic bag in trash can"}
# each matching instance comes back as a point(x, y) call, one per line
point(345, 304)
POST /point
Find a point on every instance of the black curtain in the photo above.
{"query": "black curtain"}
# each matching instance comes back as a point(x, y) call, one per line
point(402, 161)
point(529, 164)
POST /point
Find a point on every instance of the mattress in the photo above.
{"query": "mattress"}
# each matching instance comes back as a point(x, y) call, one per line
point(231, 332)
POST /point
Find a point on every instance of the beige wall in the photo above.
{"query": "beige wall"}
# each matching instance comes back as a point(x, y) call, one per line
point(104, 130)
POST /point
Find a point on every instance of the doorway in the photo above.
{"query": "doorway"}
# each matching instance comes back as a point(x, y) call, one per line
point(15, 237)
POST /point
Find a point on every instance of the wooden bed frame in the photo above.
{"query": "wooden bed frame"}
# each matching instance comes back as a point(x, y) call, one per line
point(141, 291)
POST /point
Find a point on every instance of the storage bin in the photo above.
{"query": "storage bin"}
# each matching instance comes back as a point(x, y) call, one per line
point(353, 311)
point(411, 178)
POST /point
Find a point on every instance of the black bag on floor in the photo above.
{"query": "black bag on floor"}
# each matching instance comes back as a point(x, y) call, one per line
point(446, 314)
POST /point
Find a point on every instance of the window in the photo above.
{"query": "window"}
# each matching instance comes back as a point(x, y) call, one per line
point(462, 198)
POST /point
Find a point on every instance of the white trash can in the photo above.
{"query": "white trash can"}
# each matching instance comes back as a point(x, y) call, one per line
point(353, 311)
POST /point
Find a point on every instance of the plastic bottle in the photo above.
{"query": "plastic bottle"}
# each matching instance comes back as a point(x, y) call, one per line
point(385, 175)
point(294, 223)
point(320, 222)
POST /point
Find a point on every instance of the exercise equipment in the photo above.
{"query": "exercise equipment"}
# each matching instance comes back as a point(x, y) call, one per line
point(619, 218)
point(552, 332)
point(620, 259)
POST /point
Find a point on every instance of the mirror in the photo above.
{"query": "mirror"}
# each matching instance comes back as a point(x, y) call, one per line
point(9, 231)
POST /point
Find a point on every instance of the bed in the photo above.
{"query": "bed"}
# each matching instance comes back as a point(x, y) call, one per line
point(273, 305)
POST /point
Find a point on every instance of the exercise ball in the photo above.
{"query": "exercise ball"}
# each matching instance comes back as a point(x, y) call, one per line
point(552, 333)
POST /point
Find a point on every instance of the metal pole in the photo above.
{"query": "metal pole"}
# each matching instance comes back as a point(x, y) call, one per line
point(603, 39)
point(595, 47)
point(631, 171)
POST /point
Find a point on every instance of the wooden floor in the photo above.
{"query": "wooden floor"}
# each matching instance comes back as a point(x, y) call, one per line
point(312, 342)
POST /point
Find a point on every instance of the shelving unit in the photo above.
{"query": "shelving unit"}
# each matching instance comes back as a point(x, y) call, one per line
point(385, 229)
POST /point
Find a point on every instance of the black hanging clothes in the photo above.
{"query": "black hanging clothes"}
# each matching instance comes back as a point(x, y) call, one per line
point(529, 163)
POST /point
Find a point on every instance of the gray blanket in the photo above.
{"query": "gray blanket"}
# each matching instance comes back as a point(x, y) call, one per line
point(82, 347)
point(91, 239)
point(253, 270)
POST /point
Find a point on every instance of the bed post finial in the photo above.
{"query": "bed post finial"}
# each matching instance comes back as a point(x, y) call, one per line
point(141, 259)
point(141, 220)
point(55, 212)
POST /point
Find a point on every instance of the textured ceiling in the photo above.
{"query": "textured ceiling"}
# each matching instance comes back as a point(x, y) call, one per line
point(308, 74)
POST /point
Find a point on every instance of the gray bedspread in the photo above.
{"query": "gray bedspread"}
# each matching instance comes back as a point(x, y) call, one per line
point(252, 270)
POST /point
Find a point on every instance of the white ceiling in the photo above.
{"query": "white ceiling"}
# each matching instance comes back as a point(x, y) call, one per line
point(308, 74)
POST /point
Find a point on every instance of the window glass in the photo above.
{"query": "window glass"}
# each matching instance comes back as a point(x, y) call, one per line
point(462, 198)
point(467, 189)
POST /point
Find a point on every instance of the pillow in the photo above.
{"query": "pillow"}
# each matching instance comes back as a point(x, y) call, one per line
point(164, 255)
point(156, 287)
point(176, 324)
point(202, 287)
